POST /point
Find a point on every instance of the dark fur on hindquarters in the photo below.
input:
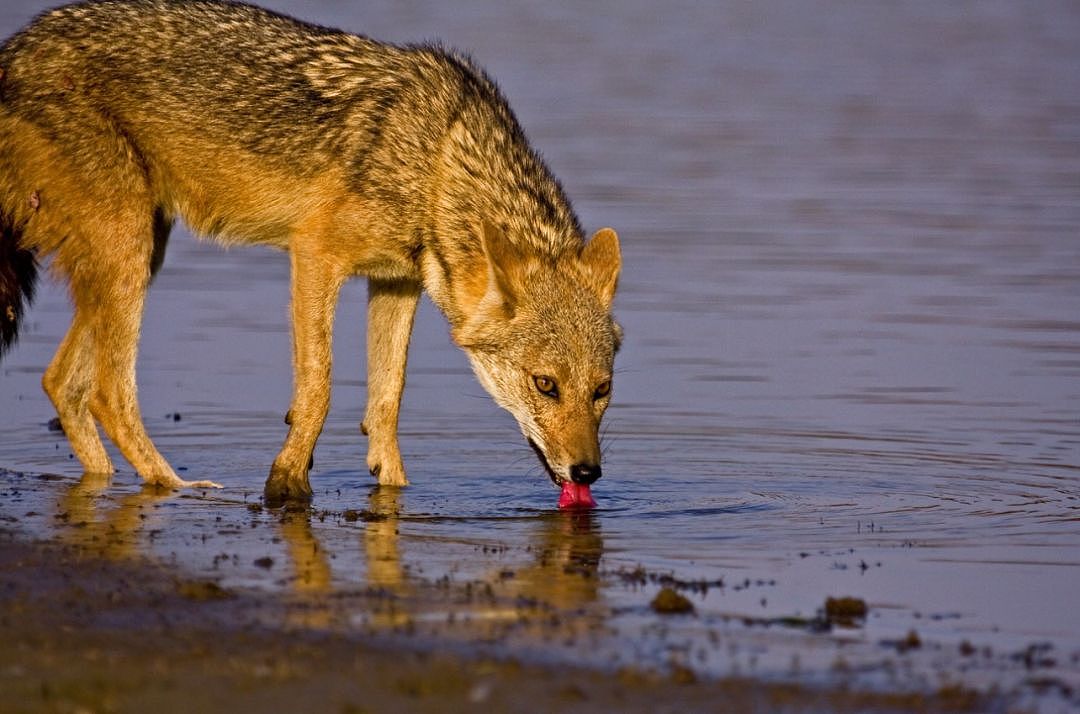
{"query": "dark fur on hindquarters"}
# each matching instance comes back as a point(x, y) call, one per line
point(18, 275)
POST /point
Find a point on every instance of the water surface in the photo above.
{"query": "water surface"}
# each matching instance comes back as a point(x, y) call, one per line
point(852, 367)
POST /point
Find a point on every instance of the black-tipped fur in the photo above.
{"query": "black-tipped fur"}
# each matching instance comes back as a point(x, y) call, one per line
point(18, 276)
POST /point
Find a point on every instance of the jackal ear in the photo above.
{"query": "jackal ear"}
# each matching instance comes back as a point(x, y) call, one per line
point(505, 264)
point(602, 260)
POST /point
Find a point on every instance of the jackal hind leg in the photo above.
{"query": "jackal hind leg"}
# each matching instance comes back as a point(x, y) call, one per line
point(113, 289)
point(316, 283)
point(68, 381)
point(391, 310)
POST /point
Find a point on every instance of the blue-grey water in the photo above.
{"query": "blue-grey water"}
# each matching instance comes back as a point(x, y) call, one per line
point(851, 297)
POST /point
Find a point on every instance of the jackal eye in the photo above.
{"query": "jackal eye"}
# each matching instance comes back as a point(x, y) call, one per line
point(546, 385)
point(602, 390)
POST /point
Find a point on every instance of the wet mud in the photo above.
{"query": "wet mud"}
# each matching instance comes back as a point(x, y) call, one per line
point(117, 596)
point(65, 652)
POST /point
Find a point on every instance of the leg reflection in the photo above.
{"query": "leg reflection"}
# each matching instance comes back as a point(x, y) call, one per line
point(311, 581)
point(104, 525)
point(311, 566)
point(568, 548)
point(381, 548)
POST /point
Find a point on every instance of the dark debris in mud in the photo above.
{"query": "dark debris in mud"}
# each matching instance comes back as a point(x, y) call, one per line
point(640, 576)
point(847, 612)
point(910, 641)
point(352, 516)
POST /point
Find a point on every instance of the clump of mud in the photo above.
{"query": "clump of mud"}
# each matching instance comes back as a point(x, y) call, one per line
point(201, 590)
point(845, 611)
point(670, 602)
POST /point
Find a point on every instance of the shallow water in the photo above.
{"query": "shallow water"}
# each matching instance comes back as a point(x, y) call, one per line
point(852, 366)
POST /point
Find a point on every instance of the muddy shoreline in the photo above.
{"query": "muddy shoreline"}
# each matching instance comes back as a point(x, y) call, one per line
point(86, 634)
point(88, 627)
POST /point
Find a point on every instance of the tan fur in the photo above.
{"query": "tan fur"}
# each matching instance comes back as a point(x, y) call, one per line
point(404, 165)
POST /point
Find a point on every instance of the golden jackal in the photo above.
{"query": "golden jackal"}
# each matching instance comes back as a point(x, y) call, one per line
point(400, 163)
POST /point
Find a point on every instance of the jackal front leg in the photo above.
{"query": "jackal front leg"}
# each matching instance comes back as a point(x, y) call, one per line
point(391, 309)
point(316, 283)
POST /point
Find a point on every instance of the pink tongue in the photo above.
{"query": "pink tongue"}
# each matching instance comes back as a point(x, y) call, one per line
point(576, 495)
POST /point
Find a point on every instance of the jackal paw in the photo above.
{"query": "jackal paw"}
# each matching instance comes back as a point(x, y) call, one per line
point(199, 484)
point(282, 488)
point(388, 472)
point(172, 481)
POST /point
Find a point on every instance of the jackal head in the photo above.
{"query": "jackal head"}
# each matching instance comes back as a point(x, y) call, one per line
point(542, 341)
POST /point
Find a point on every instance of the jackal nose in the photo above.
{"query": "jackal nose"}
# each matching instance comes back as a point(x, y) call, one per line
point(585, 473)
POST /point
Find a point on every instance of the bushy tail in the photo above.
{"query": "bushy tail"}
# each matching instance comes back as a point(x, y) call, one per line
point(18, 275)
